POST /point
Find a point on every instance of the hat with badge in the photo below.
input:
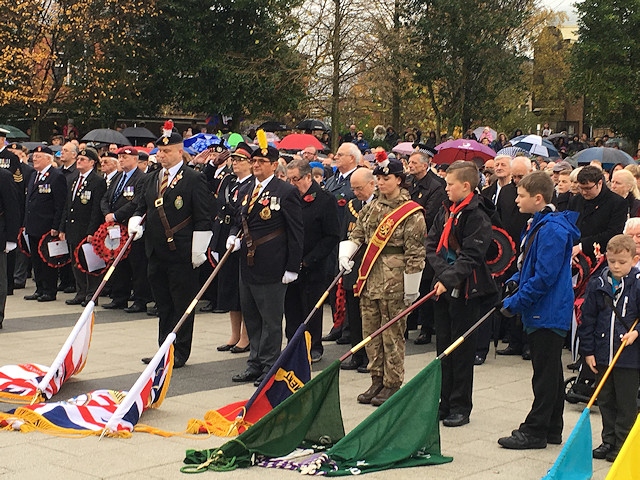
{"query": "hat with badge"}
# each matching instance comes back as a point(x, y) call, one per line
point(143, 156)
point(422, 148)
point(389, 167)
point(90, 153)
point(127, 151)
point(15, 146)
point(218, 147)
point(168, 137)
point(42, 149)
point(264, 149)
point(110, 155)
point(242, 150)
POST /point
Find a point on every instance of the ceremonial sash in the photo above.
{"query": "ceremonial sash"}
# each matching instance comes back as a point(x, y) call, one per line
point(380, 238)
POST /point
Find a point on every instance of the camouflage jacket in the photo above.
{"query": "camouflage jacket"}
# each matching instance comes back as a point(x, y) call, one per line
point(386, 279)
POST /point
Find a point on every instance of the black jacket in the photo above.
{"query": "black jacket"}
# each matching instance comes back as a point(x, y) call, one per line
point(82, 215)
point(9, 213)
point(341, 190)
point(123, 206)
point(229, 200)
point(45, 202)
point(428, 192)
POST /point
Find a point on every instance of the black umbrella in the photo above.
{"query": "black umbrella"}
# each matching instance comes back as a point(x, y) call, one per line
point(311, 124)
point(14, 133)
point(139, 135)
point(106, 135)
point(273, 127)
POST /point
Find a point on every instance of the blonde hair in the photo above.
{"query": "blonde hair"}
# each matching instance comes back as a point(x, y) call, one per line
point(629, 180)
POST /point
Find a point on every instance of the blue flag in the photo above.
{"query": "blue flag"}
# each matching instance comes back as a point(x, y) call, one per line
point(574, 461)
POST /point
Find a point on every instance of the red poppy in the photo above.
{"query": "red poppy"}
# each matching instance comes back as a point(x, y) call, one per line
point(309, 198)
point(342, 202)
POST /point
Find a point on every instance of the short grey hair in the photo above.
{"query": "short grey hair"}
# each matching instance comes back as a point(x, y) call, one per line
point(633, 222)
point(353, 150)
point(302, 166)
point(423, 157)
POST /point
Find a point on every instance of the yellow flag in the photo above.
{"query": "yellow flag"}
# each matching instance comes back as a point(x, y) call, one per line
point(627, 465)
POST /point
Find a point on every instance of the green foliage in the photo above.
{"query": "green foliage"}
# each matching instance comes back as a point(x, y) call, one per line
point(605, 63)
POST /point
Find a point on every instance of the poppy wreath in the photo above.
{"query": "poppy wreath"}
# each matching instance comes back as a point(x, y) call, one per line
point(22, 244)
point(106, 247)
point(43, 250)
point(81, 262)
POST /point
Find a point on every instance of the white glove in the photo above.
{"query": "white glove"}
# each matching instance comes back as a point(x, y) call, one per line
point(346, 248)
point(199, 244)
point(134, 228)
point(216, 256)
point(289, 277)
point(411, 287)
point(10, 246)
point(233, 241)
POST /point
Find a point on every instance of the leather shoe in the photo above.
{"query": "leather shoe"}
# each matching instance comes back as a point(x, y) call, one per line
point(46, 298)
point(226, 347)
point(86, 302)
point(602, 451)
point(612, 455)
point(178, 363)
point(479, 360)
point(316, 357)
point(114, 306)
point(18, 286)
point(423, 339)
point(207, 308)
point(152, 311)
point(343, 341)
point(147, 360)
point(74, 301)
point(521, 441)
point(526, 354)
point(363, 368)
point(455, 420)
point(246, 376)
point(259, 380)
point(136, 308)
point(236, 349)
point(69, 289)
point(350, 364)
point(35, 296)
point(219, 310)
point(509, 351)
point(552, 438)
point(332, 336)
point(383, 396)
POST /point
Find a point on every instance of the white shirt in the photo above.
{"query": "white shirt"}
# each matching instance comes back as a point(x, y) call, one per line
point(346, 174)
point(173, 171)
point(264, 184)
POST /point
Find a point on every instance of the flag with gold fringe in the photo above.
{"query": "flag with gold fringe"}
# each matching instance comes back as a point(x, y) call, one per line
point(627, 464)
point(94, 412)
point(29, 381)
point(290, 372)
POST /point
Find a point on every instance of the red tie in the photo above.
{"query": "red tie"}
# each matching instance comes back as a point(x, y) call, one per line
point(165, 182)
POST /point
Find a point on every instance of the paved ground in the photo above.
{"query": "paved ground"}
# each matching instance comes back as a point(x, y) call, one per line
point(33, 332)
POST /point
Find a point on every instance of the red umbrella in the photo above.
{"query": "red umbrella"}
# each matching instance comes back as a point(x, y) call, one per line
point(462, 149)
point(300, 141)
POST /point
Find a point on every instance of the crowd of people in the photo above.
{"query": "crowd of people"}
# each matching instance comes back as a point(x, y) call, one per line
point(396, 226)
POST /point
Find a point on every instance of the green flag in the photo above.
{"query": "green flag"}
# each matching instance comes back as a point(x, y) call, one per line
point(403, 432)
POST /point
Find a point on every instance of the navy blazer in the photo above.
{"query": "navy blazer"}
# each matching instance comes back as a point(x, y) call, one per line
point(82, 215)
point(45, 203)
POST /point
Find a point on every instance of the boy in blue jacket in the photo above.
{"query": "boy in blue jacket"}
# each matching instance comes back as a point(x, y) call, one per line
point(611, 305)
point(545, 300)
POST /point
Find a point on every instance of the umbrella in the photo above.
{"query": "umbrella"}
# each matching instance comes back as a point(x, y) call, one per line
point(605, 155)
point(299, 141)
point(405, 148)
point(139, 135)
point(106, 135)
point(14, 133)
point(512, 152)
point(311, 124)
point(478, 133)
point(201, 141)
point(535, 145)
point(462, 149)
point(273, 126)
point(553, 136)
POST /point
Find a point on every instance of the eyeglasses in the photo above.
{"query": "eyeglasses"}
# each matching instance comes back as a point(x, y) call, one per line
point(587, 189)
point(260, 160)
point(240, 159)
point(343, 155)
point(294, 179)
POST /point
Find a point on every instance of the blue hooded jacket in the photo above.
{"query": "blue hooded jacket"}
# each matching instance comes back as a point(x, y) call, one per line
point(545, 294)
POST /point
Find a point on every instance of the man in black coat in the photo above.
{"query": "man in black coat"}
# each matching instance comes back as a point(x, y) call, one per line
point(603, 213)
point(9, 226)
point(68, 158)
point(46, 198)
point(82, 217)
point(117, 206)
point(321, 235)
point(177, 232)
point(270, 221)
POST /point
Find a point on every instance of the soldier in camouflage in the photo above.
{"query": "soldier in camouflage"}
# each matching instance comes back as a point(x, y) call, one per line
point(393, 276)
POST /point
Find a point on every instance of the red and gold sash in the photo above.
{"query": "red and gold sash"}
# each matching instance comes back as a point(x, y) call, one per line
point(380, 238)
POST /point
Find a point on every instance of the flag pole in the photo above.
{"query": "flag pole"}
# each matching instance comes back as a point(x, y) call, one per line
point(84, 317)
point(129, 399)
point(466, 334)
point(406, 311)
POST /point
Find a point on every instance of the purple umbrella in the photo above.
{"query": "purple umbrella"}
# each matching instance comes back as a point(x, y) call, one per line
point(462, 149)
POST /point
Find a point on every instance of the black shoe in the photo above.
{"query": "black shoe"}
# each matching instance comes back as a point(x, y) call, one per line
point(602, 451)
point(114, 306)
point(316, 356)
point(236, 349)
point(207, 308)
point(479, 360)
point(350, 364)
point(522, 441)
point(363, 368)
point(442, 415)
point(74, 301)
point(18, 286)
point(69, 290)
point(152, 311)
point(86, 302)
point(259, 380)
point(612, 455)
point(219, 310)
point(246, 376)
point(343, 341)
point(455, 420)
point(178, 363)
point(136, 308)
point(147, 360)
point(423, 339)
point(509, 351)
point(46, 298)
point(332, 336)
point(35, 296)
point(574, 366)
point(554, 438)
point(526, 354)
point(61, 288)
point(225, 348)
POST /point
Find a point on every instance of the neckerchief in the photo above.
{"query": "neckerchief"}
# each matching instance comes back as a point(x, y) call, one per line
point(451, 221)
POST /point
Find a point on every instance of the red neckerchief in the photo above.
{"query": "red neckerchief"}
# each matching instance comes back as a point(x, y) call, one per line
point(451, 221)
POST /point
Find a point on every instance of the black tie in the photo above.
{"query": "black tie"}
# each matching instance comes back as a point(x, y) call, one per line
point(120, 187)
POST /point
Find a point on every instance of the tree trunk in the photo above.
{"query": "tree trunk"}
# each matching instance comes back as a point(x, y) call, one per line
point(336, 52)
point(395, 87)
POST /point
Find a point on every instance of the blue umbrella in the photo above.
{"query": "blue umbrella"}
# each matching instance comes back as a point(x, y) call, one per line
point(605, 155)
point(201, 141)
point(535, 145)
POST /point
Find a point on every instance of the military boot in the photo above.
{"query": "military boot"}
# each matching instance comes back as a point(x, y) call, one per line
point(383, 396)
point(374, 389)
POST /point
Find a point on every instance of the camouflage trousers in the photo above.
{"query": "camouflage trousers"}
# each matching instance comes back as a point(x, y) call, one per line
point(386, 351)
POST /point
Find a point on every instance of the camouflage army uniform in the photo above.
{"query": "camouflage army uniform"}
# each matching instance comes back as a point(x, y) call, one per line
point(382, 296)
